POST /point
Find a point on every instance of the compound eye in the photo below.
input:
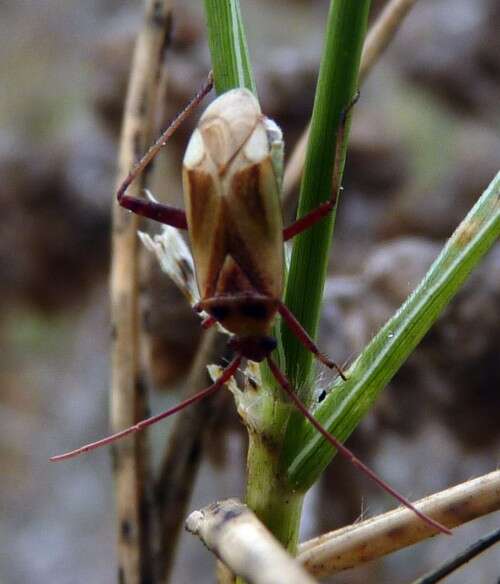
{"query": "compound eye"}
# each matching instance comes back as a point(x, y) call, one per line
point(269, 344)
point(219, 312)
point(256, 310)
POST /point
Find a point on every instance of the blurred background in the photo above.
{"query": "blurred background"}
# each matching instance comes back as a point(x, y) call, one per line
point(424, 145)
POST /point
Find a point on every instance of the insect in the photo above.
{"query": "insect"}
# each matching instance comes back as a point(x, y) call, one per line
point(232, 182)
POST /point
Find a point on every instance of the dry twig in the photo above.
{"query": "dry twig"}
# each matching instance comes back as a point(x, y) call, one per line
point(128, 399)
point(377, 40)
point(377, 537)
point(240, 540)
point(182, 459)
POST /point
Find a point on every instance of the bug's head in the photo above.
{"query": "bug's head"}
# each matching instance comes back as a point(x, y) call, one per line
point(255, 348)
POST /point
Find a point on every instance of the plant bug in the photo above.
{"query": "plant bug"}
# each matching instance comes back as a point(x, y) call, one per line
point(232, 182)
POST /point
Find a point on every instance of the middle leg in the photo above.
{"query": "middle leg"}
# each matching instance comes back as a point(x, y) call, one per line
point(322, 210)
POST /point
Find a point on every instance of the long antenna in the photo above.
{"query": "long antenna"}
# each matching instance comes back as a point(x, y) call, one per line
point(228, 372)
point(165, 135)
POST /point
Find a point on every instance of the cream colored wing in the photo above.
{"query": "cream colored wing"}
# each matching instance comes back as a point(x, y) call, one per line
point(232, 196)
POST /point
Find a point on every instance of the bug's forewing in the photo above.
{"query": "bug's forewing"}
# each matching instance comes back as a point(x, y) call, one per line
point(232, 197)
point(255, 223)
point(204, 211)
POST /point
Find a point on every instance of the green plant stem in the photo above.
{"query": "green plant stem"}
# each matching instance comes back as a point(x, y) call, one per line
point(306, 453)
point(337, 84)
point(267, 494)
point(228, 46)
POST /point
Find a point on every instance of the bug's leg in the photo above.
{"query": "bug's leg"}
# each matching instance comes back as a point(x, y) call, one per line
point(300, 332)
point(309, 219)
point(208, 322)
point(344, 451)
point(153, 210)
point(150, 208)
point(226, 375)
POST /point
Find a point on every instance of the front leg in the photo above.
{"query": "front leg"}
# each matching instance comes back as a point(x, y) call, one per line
point(151, 208)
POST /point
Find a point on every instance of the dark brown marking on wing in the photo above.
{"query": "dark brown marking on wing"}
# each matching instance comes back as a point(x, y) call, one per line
point(206, 228)
point(233, 280)
point(215, 262)
point(201, 188)
point(246, 260)
point(247, 191)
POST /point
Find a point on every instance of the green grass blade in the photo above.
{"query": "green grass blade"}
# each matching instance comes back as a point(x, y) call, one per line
point(228, 46)
point(337, 84)
point(306, 454)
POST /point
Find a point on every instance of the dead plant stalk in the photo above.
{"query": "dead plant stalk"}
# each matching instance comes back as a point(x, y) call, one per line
point(130, 460)
point(359, 543)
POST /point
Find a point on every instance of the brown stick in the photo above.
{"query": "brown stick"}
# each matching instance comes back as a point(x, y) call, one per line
point(377, 40)
point(131, 461)
point(182, 458)
point(382, 33)
point(240, 540)
point(382, 535)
